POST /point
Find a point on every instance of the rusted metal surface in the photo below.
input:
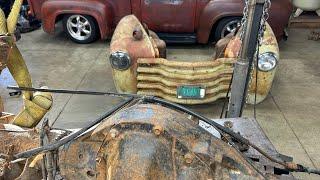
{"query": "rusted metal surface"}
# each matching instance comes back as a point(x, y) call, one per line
point(191, 16)
point(265, 79)
point(184, 12)
point(126, 81)
point(147, 141)
point(5, 117)
point(150, 141)
point(14, 139)
point(149, 75)
point(100, 10)
point(161, 77)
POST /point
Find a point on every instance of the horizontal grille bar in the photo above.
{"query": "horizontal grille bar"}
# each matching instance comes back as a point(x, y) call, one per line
point(160, 77)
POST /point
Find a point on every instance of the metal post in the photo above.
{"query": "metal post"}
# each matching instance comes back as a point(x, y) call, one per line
point(242, 69)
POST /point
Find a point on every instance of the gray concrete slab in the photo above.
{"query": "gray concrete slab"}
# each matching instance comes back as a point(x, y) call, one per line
point(289, 116)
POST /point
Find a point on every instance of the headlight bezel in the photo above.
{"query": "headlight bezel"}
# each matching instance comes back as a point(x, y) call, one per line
point(120, 60)
point(267, 57)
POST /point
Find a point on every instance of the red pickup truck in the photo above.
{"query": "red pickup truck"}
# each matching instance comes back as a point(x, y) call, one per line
point(174, 20)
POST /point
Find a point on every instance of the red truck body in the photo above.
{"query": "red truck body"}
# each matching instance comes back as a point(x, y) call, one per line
point(170, 16)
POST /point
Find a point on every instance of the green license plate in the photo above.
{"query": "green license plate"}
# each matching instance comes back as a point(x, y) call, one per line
point(191, 92)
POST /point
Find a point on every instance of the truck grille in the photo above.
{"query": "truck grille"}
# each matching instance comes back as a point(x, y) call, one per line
point(161, 77)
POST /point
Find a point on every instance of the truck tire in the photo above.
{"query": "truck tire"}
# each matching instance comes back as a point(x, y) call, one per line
point(226, 26)
point(81, 29)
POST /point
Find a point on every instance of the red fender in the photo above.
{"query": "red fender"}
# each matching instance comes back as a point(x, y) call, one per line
point(214, 11)
point(100, 10)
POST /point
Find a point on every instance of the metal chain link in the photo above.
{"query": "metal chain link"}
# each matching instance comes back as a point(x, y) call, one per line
point(244, 19)
point(265, 17)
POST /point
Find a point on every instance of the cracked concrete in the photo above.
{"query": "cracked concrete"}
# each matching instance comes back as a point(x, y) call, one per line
point(289, 116)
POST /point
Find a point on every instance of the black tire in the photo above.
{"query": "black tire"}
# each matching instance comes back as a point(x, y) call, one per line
point(222, 25)
point(90, 25)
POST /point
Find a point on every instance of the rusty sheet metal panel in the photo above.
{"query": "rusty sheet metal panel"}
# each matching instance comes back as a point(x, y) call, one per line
point(162, 77)
point(158, 15)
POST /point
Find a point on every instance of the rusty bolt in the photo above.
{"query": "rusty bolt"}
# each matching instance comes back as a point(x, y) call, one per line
point(137, 33)
point(114, 133)
point(228, 124)
point(188, 158)
point(157, 130)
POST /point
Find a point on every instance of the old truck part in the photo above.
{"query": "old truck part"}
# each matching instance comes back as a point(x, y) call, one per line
point(195, 20)
point(36, 104)
point(140, 66)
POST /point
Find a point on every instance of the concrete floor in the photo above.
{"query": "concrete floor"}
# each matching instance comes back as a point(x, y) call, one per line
point(289, 116)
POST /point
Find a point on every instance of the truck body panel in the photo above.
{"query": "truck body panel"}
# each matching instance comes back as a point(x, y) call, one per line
point(198, 17)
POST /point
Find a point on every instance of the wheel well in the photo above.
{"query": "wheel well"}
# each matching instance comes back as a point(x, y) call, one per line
point(60, 17)
point(214, 26)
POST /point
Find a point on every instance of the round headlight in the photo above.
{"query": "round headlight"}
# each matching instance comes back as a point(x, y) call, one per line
point(267, 61)
point(120, 60)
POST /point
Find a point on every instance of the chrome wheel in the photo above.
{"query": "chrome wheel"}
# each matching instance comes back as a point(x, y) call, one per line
point(230, 27)
point(79, 27)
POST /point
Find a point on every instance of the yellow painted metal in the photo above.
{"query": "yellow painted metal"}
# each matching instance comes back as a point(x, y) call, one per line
point(122, 40)
point(161, 77)
point(265, 79)
point(150, 75)
point(36, 105)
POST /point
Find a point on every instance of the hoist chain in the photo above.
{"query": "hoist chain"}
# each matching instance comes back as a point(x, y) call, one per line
point(244, 19)
point(265, 17)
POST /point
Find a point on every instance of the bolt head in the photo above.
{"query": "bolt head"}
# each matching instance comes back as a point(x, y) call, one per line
point(157, 130)
point(188, 158)
point(114, 133)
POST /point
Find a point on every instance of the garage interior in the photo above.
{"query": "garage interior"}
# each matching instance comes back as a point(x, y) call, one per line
point(289, 116)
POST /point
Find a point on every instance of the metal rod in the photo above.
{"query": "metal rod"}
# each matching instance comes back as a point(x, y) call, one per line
point(80, 92)
point(41, 139)
point(243, 66)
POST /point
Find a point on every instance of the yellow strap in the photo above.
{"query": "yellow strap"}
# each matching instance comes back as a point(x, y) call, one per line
point(3, 24)
point(13, 16)
point(19, 70)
